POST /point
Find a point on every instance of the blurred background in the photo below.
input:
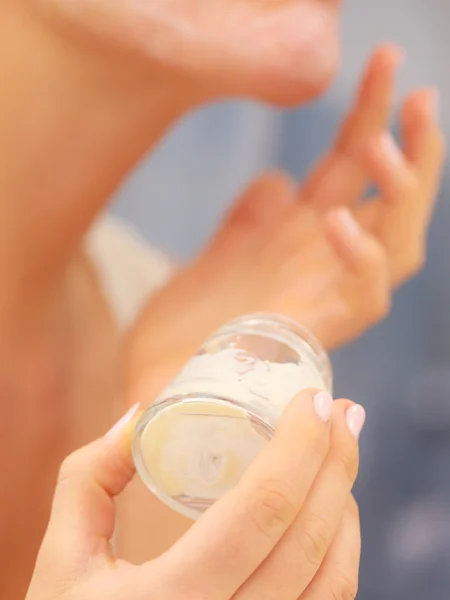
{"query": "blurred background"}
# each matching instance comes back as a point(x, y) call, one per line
point(401, 370)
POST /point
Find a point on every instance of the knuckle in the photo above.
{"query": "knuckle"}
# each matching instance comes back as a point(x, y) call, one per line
point(76, 465)
point(353, 508)
point(317, 440)
point(413, 263)
point(272, 507)
point(379, 306)
point(344, 586)
point(314, 538)
point(347, 460)
point(69, 467)
point(375, 291)
point(418, 262)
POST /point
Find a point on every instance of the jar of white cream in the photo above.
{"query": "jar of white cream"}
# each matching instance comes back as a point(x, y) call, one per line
point(195, 442)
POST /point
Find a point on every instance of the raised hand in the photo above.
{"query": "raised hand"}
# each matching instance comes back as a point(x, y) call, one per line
point(318, 253)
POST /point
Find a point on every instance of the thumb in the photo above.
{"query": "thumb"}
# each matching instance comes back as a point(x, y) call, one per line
point(83, 514)
point(262, 205)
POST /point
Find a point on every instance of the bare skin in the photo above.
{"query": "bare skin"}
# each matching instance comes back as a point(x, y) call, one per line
point(79, 107)
point(312, 252)
point(273, 536)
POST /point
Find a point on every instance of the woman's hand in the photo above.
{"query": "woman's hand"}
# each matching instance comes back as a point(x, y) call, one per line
point(316, 253)
point(289, 529)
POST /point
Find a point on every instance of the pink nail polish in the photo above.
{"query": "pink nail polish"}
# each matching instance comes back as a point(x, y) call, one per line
point(356, 416)
point(323, 405)
point(123, 422)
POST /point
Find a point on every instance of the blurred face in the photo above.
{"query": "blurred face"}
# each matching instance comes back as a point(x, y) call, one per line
point(281, 51)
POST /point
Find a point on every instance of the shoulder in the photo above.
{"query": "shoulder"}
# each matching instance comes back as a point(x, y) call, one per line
point(128, 268)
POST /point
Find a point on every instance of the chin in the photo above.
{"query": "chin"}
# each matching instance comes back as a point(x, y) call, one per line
point(292, 87)
point(283, 52)
point(284, 83)
point(281, 64)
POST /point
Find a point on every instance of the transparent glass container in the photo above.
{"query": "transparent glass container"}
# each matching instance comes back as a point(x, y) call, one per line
point(195, 442)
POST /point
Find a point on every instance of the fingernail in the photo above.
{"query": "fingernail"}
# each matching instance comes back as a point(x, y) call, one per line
point(356, 416)
point(323, 405)
point(390, 148)
point(348, 222)
point(123, 422)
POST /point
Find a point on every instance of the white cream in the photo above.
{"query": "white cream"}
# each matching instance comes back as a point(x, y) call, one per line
point(236, 375)
point(200, 447)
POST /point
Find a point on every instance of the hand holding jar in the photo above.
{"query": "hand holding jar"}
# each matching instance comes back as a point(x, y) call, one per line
point(198, 438)
point(289, 529)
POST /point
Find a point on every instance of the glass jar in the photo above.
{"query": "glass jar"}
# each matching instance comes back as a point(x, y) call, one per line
point(194, 443)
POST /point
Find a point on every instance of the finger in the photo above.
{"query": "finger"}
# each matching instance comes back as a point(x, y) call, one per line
point(232, 539)
point(408, 184)
point(341, 177)
point(361, 291)
point(296, 559)
point(402, 213)
point(365, 260)
point(260, 207)
point(423, 140)
point(83, 513)
point(338, 574)
point(373, 102)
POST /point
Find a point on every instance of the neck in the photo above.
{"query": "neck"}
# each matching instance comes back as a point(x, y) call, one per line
point(72, 127)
